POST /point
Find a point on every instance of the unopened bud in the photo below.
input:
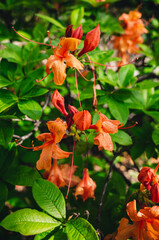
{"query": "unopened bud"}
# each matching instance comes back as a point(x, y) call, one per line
point(58, 102)
point(146, 177)
point(72, 110)
point(78, 32)
point(69, 31)
point(155, 193)
point(91, 41)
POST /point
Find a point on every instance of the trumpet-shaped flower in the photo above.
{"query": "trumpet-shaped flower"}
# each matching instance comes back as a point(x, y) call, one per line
point(50, 149)
point(86, 187)
point(105, 126)
point(145, 223)
point(58, 62)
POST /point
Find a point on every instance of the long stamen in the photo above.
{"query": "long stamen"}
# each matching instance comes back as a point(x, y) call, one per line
point(128, 127)
point(22, 145)
point(121, 65)
point(156, 169)
point(42, 78)
point(71, 170)
point(83, 76)
point(48, 32)
point(29, 39)
point(77, 90)
point(94, 89)
point(87, 148)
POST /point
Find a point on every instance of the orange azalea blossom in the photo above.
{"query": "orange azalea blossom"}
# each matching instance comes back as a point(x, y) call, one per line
point(86, 187)
point(82, 120)
point(105, 126)
point(145, 223)
point(128, 42)
point(62, 58)
point(65, 170)
point(50, 149)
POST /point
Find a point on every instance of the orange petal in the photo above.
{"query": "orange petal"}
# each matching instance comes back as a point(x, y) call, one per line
point(104, 141)
point(82, 120)
point(69, 43)
point(55, 175)
point(126, 231)
point(49, 63)
point(57, 128)
point(71, 61)
point(132, 212)
point(44, 161)
point(65, 169)
point(59, 153)
point(44, 137)
point(59, 71)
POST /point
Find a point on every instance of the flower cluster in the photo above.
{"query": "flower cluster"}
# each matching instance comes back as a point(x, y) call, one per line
point(127, 43)
point(150, 180)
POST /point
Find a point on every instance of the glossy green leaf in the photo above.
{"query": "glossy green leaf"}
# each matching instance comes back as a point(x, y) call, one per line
point(122, 138)
point(31, 108)
point(20, 175)
point(119, 110)
point(51, 20)
point(49, 198)
point(155, 137)
point(29, 222)
point(7, 99)
point(80, 229)
point(146, 84)
point(112, 77)
point(153, 114)
point(4, 82)
point(6, 132)
point(126, 74)
point(76, 16)
point(35, 92)
point(12, 53)
point(3, 195)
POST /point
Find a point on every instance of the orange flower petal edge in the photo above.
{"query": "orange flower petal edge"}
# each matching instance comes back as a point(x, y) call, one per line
point(82, 120)
point(86, 187)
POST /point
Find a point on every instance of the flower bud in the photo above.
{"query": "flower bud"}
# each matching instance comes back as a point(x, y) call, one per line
point(146, 177)
point(91, 41)
point(69, 31)
point(82, 120)
point(155, 193)
point(58, 102)
point(72, 110)
point(77, 33)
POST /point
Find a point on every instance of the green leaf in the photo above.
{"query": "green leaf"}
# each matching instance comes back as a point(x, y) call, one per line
point(122, 138)
point(29, 222)
point(80, 229)
point(119, 110)
point(49, 198)
point(146, 50)
point(35, 92)
point(146, 84)
point(112, 77)
point(7, 99)
point(126, 74)
point(12, 53)
point(153, 114)
point(20, 175)
point(76, 16)
point(3, 195)
point(4, 82)
point(51, 20)
point(49, 235)
point(6, 132)
point(155, 137)
point(31, 108)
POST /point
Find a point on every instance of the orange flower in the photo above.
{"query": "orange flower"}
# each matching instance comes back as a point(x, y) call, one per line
point(128, 42)
point(56, 176)
point(145, 223)
point(65, 170)
point(82, 120)
point(50, 149)
point(86, 187)
point(58, 102)
point(105, 126)
point(62, 58)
